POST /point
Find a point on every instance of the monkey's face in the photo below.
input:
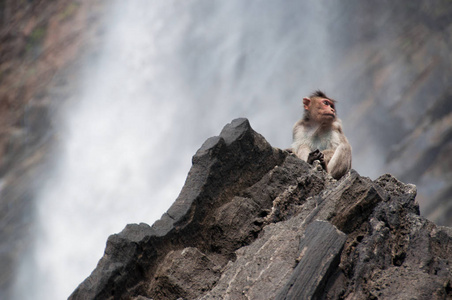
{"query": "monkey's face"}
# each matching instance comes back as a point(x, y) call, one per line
point(322, 110)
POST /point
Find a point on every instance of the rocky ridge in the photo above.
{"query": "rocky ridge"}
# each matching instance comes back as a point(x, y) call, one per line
point(255, 222)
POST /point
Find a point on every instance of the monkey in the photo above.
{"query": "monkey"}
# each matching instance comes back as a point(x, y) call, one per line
point(319, 136)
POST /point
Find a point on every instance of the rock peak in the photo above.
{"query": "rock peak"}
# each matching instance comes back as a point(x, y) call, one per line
point(255, 222)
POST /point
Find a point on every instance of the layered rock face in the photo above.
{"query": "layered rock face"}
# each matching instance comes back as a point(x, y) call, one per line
point(255, 222)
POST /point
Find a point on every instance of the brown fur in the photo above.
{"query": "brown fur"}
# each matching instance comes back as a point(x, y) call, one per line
point(321, 129)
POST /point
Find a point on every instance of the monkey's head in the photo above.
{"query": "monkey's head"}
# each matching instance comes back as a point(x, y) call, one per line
point(319, 109)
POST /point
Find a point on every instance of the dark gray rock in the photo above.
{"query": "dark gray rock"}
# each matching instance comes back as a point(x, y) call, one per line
point(223, 168)
point(235, 230)
point(320, 251)
point(400, 255)
point(187, 273)
point(265, 266)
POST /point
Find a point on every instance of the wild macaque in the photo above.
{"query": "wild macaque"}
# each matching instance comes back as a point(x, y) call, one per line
point(319, 136)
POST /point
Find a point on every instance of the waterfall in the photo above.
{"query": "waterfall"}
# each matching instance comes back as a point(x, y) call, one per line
point(169, 75)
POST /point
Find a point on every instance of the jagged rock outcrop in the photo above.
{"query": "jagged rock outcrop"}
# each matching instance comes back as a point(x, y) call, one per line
point(255, 222)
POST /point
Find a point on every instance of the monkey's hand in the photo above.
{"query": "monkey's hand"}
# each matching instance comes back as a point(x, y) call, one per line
point(317, 155)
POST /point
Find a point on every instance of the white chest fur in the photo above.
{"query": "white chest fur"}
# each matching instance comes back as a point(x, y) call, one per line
point(314, 139)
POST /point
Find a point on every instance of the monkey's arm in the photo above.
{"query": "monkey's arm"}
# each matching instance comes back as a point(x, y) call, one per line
point(302, 151)
point(300, 141)
point(305, 153)
point(341, 162)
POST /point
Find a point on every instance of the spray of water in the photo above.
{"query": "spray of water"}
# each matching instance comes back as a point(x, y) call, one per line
point(170, 74)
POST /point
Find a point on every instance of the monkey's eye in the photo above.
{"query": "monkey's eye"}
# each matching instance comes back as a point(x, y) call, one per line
point(328, 103)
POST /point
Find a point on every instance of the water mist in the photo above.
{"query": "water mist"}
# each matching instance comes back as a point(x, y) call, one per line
point(170, 75)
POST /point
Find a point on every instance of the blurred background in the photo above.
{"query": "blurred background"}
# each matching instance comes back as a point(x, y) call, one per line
point(103, 104)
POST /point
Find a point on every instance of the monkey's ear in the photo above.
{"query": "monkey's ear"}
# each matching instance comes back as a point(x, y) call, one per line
point(306, 102)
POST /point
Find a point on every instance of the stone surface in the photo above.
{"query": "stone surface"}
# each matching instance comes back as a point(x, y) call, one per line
point(223, 168)
point(320, 250)
point(186, 272)
point(235, 232)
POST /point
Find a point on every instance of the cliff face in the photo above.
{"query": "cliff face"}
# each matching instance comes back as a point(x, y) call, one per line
point(255, 222)
point(402, 107)
point(41, 44)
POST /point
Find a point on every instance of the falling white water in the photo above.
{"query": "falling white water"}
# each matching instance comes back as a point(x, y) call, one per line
point(170, 74)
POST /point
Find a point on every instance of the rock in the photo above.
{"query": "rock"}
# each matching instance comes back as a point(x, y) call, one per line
point(320, 251)
point(186, 272)
point(223, 168)
point(255, 222)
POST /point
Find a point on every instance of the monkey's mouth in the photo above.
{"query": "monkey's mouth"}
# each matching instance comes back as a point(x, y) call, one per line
point(329, 115)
